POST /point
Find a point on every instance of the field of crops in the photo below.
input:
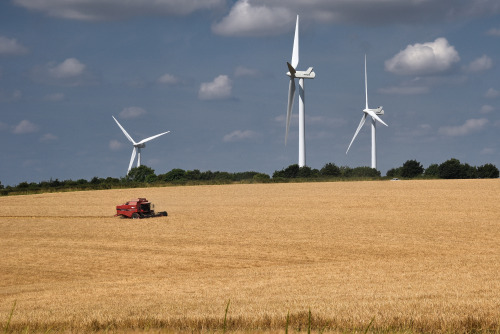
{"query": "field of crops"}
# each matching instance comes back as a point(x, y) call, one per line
point(406, 256)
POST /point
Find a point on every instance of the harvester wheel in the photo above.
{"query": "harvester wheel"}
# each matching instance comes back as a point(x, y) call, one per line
point(135, 215)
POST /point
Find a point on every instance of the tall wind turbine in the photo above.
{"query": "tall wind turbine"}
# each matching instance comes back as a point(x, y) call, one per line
point(374, 116)
point(137, 146)
point(301, 75)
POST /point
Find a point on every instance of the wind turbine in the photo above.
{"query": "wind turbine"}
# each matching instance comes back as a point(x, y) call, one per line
point(301, 75)
point(137, 146)
point(374, 116)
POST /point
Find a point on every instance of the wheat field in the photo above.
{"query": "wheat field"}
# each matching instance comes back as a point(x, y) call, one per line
point(382, 256)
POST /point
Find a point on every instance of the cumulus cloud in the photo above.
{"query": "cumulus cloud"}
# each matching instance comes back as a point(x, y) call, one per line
point(132, 112)
point(493, 32)
point(24, 127)
point(69, 72)
point(54, 97)
point(11, 47)
point(70, 67)
point(480, 64)
point(471, 125)
point(168, 79)
point(486, 109)
point(240, 135)
point(115, 145)
point(219, 88)
point(246, 19)
point(424, 59)
point(99, 10)
point(262, 17)
point(404, 90)
point(48, 137)
point(492, 93)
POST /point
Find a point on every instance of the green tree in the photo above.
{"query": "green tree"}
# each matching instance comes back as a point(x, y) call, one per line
point(1, 185)
point(432, 171)
point(345, 171)
point(193, 174)
point(394, 172)
point(411, 169)
point(488, 171)
point(261, 177)
point(330, 169)
point(139, 174)
point(365, 172)
point(175, 174)
point(450, 169)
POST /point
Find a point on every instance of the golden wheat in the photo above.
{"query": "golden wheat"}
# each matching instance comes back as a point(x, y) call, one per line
point(412, 255)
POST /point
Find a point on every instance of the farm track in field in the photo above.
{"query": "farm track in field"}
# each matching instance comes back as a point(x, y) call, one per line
point(413, 256)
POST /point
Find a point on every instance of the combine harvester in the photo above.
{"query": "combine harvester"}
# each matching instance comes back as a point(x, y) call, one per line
point(138, 208)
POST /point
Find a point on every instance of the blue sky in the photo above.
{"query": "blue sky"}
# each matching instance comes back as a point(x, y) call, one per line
point(213, 73)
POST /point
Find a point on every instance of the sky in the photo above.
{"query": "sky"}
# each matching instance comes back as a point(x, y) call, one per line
point(213, 73)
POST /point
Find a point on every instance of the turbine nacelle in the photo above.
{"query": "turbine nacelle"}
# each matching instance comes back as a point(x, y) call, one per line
point(378, 111)
point(309, 74)
point(140, 145)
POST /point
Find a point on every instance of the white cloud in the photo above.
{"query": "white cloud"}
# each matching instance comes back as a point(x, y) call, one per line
point(94, 10)
point(24, 127)
point(11, 47)
point(15, 95)
point(48, 137)
point(218, 89)
point(54, 97)
point(266, 17)
point(492, 93)
point(168, 79)
point(246, 19)
point(488, 151)
point(242, 71)
point(404, 90)
point(239, 135)
point(493, 32)
point(115, 145)
point(486, 109)
point(471, 125)
point(69, 68)
point(423, 59)
point(482, 63)
point(132, 112)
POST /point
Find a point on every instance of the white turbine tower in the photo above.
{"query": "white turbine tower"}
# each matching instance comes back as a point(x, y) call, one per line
point(374, 116)
point(137, 146)
point(301, 75)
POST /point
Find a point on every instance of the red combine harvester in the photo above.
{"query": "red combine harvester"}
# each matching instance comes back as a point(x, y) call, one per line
point(138, 208)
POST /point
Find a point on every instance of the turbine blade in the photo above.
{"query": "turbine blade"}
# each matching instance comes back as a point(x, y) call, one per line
point(291, 96)
point(295, 52)
point(361, 123)
point(291, 69)
point(124, 132)
point(374, 115)
point(366, 87)
point(134, 151)
point(152, 137)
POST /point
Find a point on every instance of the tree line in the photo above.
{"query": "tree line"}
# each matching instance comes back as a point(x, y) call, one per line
point(145, 176)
